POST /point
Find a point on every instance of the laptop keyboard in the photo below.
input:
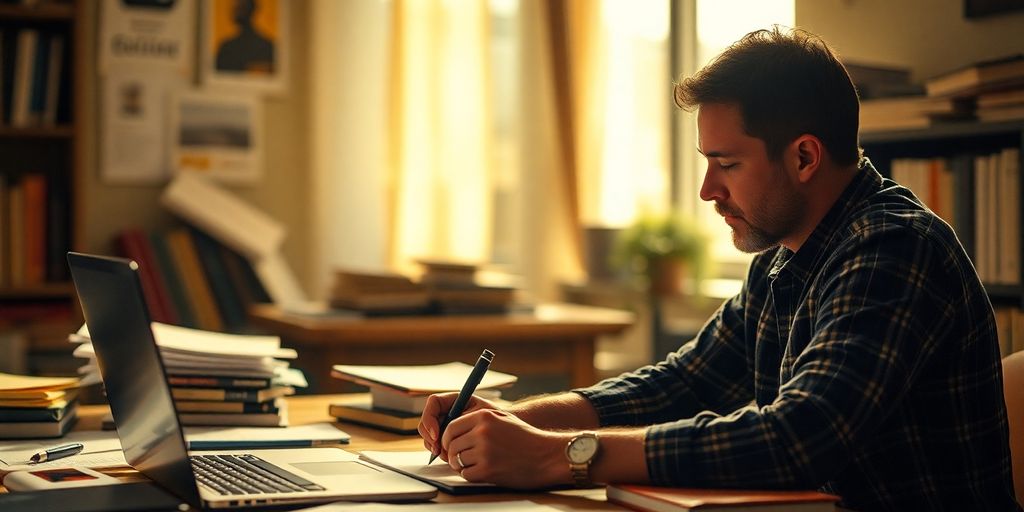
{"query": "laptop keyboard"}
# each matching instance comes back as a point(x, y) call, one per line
point(246, 474)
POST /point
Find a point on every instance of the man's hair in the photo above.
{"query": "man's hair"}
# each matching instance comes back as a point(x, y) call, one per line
point(786, 83)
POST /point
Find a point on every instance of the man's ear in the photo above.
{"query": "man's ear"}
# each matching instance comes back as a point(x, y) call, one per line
point(808, 152)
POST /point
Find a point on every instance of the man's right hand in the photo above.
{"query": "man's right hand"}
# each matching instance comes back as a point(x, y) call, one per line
point(436, 409)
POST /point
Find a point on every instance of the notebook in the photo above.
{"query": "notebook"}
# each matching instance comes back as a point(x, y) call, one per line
point(110, 293)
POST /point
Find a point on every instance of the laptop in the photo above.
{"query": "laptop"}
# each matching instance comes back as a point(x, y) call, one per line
point(151, 436)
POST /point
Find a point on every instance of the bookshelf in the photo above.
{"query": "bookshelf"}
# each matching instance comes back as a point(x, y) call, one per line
point(959, 146)
point(41, 101)
point(952, 140)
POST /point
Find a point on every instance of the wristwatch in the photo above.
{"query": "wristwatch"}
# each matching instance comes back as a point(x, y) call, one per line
point(581, 451)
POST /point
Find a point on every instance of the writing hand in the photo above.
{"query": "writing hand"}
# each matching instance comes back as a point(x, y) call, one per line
point(490, 445)
point(436, 409)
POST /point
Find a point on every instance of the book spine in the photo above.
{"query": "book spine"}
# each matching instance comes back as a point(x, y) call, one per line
point(40, 68)
point(35, 228)
point(130, 244)
point(53, 78)
point(23, 77)
point(228, 302)
point(216, 382)
point(184, 252)
point(175, 287)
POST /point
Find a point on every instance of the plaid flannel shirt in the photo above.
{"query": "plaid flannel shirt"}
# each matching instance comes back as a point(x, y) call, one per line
point(865, 364)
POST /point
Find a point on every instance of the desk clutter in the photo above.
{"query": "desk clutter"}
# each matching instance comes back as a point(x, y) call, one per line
point(444, 287)
point(398, 394)
point(36, 406)
point(217, 379)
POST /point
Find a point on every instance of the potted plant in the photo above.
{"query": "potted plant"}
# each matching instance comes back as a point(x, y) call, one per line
point(663, 248)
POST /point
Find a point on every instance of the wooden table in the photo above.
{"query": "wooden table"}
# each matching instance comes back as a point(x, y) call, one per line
point(552, 339)
point(313, 409)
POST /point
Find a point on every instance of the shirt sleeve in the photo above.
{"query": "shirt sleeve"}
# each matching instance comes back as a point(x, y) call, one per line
point(711, 372)
point(878, 312)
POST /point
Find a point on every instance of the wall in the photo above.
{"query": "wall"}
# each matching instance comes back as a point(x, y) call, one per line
point(928, 36)
point(283, 193)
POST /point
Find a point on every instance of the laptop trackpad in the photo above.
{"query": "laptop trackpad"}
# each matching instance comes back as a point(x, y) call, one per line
point(330, 468)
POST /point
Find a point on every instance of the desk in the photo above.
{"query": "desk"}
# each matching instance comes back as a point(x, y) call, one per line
point(313, 409)
point(553, 339)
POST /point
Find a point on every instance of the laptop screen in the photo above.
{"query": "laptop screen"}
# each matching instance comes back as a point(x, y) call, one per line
point(133, 373)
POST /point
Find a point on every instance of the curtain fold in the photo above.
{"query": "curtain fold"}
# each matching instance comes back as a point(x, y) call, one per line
point(440, 191)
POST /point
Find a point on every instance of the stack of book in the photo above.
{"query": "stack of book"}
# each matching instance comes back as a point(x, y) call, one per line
point(378, 293)
point(36, 406)
point(907, 112)
point(399, 393)
point(678, 499)
point(457, 288)
point(1001, 106)
point(215, 378)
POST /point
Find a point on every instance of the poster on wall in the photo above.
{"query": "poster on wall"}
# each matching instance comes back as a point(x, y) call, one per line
point(157, 35)
point(146, 51)
point(244, 44)
point(132, 124)
point(216, 135)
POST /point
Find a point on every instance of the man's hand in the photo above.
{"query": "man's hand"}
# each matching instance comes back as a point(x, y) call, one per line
point(491, 445)
point(436, 409)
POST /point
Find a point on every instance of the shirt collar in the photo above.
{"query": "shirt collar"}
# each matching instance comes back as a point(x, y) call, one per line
point(865, 182)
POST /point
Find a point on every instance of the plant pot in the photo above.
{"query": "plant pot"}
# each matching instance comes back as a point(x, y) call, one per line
point(666, 276)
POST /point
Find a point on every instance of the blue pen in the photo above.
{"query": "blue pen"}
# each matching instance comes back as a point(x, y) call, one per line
point(482, 364)
point(58, 452)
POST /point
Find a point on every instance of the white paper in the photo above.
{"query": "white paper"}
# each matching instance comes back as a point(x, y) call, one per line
point(132, 126)
point(218, 136)
point(102, 449)
point(435, 378)
point(413, 464)
point(197, 341)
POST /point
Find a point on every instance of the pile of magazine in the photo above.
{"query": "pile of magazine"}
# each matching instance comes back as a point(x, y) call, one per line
point(215, 378)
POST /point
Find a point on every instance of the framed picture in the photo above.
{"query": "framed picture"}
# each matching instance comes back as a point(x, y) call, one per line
point(980, 8)
point(245, 44)
point(217, 135)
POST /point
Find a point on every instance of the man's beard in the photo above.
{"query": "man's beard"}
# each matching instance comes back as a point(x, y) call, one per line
point(769, 222)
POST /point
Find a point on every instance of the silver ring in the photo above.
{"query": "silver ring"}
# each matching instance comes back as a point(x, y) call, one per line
point(458, 457)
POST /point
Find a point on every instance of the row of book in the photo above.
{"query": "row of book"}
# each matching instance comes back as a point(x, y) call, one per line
point(1010, 327)
point(216, 378)
point(979, 196)
point(190, 279)
point(444, 287)
point(32, 64)
point(37, 406)
point(33, 230)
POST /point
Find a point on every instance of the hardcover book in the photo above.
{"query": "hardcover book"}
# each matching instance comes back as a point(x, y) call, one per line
point(676, 499)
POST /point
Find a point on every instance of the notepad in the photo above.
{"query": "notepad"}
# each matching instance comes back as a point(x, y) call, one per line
point(425, 379)
point(438, 474)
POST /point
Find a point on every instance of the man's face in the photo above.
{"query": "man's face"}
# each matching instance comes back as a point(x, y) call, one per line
point(757, 197)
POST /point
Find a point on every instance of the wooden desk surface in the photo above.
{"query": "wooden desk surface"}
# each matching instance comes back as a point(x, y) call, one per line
point(552, 340)
point(313, 409)
point(545, 321)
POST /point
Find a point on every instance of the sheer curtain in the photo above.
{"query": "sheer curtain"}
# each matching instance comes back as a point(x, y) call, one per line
point(440, 180)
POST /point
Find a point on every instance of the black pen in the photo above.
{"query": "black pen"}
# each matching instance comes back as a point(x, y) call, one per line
point(468, 388)
point(58, 452)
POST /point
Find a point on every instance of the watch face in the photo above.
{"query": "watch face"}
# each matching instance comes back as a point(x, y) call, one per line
point(582, 449)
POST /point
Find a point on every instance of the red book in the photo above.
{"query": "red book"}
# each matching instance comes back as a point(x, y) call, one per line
point(677, 499)
point(134, 244)
point(35, 228)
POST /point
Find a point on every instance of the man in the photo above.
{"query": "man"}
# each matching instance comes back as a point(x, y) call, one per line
point(860, 356)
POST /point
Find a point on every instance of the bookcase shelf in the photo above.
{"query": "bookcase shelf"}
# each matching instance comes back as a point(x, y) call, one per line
point(37, 132)
point(963, 141)
point(41, 169)
point(46, 11)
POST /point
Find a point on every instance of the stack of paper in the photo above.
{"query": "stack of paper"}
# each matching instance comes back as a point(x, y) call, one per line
point(215, 378)
point(36, 406)
point(399, 393)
